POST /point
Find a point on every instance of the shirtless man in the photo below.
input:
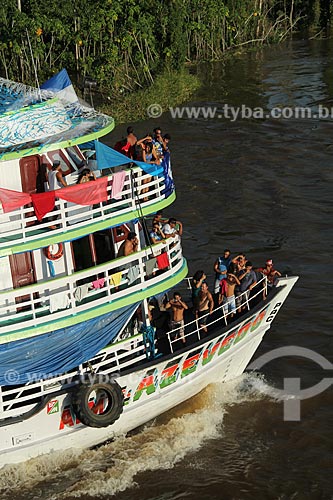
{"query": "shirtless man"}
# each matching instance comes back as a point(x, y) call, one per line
point(131, 137)
point(205, 305)
point(178, 307)
point(130, 245)
point(228, 300)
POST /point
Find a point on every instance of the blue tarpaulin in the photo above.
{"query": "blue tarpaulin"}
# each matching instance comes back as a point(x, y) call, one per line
point(169, 184)
point(59, 351)
point(107, 158)
point(61, 85)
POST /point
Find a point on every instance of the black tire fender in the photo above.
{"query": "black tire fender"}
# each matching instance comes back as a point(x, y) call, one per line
point(108, 397)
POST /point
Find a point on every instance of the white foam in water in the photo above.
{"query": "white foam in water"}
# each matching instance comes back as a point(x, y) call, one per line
point(32, 472)
point(254, 383)
point(112, 468)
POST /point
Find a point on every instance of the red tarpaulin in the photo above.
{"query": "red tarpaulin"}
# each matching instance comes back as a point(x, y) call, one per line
point(43, 203)
point(88, 193)
point(11, 200)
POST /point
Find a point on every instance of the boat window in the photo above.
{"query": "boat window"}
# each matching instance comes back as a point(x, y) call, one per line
point(75, 155)
point(58, 155)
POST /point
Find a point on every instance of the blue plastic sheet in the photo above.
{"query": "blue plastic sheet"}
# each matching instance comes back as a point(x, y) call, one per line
point(167, 172)
point(107, 158)
point(59, 351)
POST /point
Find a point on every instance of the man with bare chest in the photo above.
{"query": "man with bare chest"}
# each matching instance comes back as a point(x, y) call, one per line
point(130, 245)
point(177, 315)
point(205, 306)
point(228, 298)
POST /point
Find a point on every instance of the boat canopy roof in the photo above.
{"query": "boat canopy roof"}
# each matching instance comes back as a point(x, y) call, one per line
point(36, 120)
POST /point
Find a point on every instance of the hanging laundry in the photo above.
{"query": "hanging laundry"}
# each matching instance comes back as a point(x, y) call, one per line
point(98, 283)
point(150, 266)
point(58, 302)
point(162, 260)
point(118, 180)
point(81, 292)
point(43, 203)
point(11, 200)
point(51, 268)
point(115, 279)
point(133, 273)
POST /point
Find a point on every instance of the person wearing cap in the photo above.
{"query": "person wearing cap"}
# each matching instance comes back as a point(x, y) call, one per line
point(55, 177)
point(269, 271)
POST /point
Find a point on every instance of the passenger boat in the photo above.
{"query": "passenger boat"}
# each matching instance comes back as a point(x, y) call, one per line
point(79, 360)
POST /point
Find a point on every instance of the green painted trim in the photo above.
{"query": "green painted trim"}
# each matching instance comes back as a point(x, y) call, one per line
point(31, 107)
point(59, 145)
point(98, 311)
point(50, 238)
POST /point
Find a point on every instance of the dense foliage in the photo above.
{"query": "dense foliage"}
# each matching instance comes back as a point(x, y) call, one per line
point(125, 44)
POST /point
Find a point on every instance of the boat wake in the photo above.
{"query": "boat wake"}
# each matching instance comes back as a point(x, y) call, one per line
point(112, 468)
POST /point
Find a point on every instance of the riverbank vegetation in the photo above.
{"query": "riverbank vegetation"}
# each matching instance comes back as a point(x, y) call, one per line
point(127, 45)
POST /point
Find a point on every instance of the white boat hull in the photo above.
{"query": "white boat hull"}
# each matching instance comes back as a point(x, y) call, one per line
point(149, 391)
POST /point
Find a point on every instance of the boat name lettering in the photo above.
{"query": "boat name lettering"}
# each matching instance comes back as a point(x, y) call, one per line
point(149, 384)
point(273, 313)
point(152, 381)
point(190, 364)
point(127, 395)
point(69, 419)
point(170, 374)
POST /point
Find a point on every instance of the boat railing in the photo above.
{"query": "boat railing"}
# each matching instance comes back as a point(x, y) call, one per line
point(17, 400)
point(30, 306)
point(220, 315)
point(109, 363)
point(21, 225)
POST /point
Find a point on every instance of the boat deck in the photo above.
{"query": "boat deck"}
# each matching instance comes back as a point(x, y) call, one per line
point(20, 230)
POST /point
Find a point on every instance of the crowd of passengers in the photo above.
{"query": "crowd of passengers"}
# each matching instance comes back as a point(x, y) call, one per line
point(235, 278)
point(149, 149)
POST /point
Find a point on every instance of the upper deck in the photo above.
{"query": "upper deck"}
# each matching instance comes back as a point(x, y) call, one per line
point(85, 222)
point(34, 121)
point(20, 231)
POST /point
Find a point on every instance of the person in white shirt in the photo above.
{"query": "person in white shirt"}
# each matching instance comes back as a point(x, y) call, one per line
point(55, 177)
point(170, 230)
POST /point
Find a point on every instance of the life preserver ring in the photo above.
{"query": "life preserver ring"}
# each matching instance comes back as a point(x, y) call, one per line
point(99, 404)
point(55, 251)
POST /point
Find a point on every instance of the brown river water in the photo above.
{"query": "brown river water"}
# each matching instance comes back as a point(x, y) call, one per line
point(262, 186)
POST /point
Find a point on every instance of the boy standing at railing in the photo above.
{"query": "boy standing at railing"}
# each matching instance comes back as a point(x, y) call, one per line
point(228, 297)
point(177, 315)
